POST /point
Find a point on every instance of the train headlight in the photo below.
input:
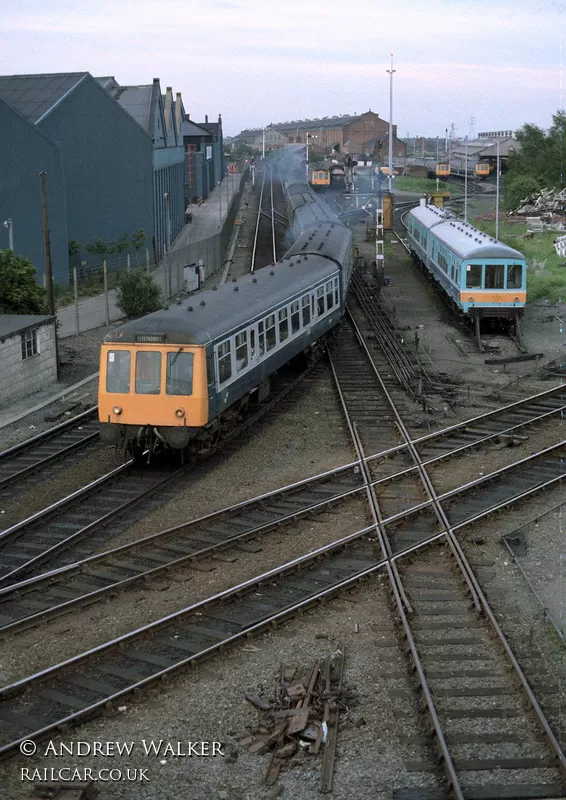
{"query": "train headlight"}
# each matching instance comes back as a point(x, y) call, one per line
point(516, 300)
point(117, 410)
point(180, 412)
point(470, 299)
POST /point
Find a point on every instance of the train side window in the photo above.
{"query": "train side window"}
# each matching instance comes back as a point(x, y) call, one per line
point(514, 276)
point(252, 343)
point(473, 276)
point(271, 332)
point(320, 300)
point(329, 295)
point(148, 372)
point(335, 291)
point(179, 378)
point(118, 371)
point(224, 361)
point(306, 304)
point(261, 334)
point(283, 324)
point(241, 351)
point(494, 276)
point(295, 317)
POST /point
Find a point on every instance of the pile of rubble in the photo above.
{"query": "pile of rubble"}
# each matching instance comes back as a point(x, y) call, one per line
point(302, 719)
point(544, 203)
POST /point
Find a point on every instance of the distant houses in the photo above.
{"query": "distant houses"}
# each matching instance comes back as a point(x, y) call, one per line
point(116, 159)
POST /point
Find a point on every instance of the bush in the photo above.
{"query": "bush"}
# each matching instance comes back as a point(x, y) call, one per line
point(19, 292)
point(518, 187)
point(137, 294)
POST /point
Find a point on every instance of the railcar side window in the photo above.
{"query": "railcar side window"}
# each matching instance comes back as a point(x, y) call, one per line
point(305, 302)
point(224, 361)
point(320, 300)
point(271, 332)
point(494, 276)
point(179, 378)
point(514, 276)
point(442, 263)
point(261, 334)
point(329, 295)
point(283, 325)
point(295, 317)
point(473, 276)
point(336, 291)
point(241, 351)
point(148, 372)
point(118, 371)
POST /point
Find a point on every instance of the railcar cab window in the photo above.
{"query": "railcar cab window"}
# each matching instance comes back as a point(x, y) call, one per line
point(494, 276)
point(148, 372)
point(514, 276)
point(473, 276)
point(179, 373)
point(118, 371)
point(224, 361)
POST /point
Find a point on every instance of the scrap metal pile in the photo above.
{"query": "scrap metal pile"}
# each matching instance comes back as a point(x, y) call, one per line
point(302, 719)
point(544, 203)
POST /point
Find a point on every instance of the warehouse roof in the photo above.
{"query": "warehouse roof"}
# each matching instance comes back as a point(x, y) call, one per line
point(191, 128)
point(338, 121)
point(35, 96)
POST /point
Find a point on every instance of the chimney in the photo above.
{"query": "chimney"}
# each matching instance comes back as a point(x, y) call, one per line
point(206, 119)
point(188, 117)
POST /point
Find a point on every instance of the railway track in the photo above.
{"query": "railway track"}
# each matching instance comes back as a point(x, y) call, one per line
point(178, 549)
point(271, 223)
point(47, 449)
point(84, 521)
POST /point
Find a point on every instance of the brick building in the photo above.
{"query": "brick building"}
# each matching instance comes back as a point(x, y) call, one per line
point(346, 134)
point(28, 355)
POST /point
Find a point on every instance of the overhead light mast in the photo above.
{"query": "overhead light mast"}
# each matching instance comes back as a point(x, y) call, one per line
point(390, 176)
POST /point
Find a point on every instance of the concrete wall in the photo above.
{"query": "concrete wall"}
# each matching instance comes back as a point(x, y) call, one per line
point(107, 165)
point(25, 152)
point(22, 377)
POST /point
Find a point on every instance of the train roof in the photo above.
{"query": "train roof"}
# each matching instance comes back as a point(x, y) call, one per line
point(208, 315)
point(461, 237)
point(331, 239)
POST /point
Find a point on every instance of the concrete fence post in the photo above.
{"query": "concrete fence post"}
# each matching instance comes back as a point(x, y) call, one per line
point(106, 306)
point(128, 262)
point(147, 260)
point(76, 294)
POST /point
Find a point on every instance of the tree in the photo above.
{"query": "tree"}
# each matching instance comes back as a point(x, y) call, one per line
point(138, 240)
point(19, 292)
point(137, 294)
point(241, 151)
point(119, 246)
point(518, 187)
point(97, 248)
point(539, 162)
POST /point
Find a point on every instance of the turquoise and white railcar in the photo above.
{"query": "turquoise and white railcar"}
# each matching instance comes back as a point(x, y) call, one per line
point(482, 277)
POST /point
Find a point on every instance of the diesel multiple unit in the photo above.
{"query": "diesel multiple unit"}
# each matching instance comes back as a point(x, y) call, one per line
point(180, 377)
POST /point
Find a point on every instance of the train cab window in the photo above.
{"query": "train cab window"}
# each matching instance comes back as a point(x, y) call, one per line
point(320, 300)
point(261, 336)
point(514, 276)
point(148, 372)
point(241, 351)
point(179, 378)
point(283, 325)
point(271, 333)
point(224, 361)
point(306, 304)
point(295, 317)
point(473, 276)
point(329, 295)
point(118, 371)
point(494, 276)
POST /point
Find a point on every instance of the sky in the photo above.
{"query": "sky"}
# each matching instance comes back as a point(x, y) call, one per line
point(263, 61)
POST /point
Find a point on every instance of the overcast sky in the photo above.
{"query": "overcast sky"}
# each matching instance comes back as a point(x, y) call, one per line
point(257, 62)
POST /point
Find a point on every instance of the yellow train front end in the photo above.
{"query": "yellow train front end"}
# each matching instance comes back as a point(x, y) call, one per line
point(151, 395)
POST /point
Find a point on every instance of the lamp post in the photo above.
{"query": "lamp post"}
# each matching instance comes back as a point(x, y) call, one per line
point(10, 225)
point(263, 144)
point(466, 179)
point(390, 176)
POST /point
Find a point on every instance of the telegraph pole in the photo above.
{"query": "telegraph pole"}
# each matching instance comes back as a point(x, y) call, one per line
point(47, 244)
point(390, 72)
